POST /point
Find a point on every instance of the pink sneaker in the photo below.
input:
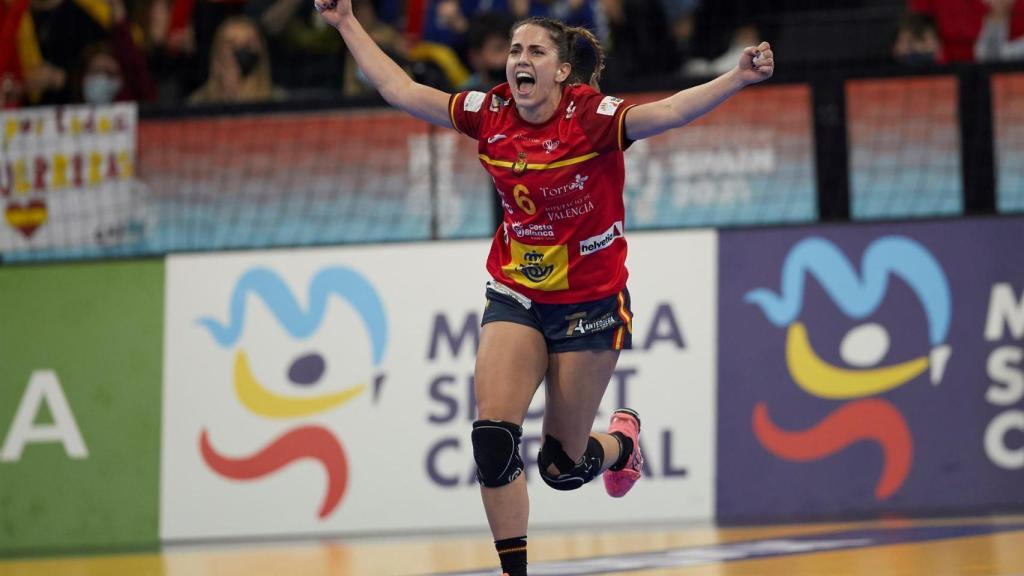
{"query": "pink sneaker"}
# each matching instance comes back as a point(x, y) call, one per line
point(618, 482)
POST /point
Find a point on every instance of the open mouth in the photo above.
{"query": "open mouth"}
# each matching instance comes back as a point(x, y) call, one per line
point(524, 83)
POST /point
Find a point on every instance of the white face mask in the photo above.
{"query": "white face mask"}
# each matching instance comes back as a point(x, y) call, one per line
point(100, 88)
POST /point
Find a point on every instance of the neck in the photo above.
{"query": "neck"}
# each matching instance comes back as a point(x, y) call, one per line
point(542, 111)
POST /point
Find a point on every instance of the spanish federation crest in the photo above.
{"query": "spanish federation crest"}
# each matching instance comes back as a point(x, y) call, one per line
point(520, 166)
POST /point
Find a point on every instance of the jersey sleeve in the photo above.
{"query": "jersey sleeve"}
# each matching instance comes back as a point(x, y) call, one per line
point(603, 119)
point(466, 111)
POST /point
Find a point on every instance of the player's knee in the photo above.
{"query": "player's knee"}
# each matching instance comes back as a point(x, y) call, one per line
point(570, 475)
point(496, 451)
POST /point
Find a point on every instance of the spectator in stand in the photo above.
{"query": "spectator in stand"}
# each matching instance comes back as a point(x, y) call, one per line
point(114, 70)
point(169, 43)
point(305, 53)
point(180, 34)
point(488, 45)
point(50, 41)
point(917, 40)
point(994, 44)
point(206, 17)
point(959, 24)
point(106, 77)
point(239, 66)
point(12, 88)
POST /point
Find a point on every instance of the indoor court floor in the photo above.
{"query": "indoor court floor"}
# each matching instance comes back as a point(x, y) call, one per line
point(991, 545)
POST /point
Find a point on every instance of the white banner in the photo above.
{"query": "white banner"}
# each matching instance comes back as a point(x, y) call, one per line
point(67, 177)
point(330, 390)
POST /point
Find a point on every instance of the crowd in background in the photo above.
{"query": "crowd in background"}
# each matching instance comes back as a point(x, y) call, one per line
point(221, 51)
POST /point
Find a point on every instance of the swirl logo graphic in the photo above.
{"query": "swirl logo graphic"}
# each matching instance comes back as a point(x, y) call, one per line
point(304, 440)
point(863, 416)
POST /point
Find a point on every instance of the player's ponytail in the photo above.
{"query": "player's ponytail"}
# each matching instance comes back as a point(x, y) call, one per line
point(582, 40)
point(576, 45)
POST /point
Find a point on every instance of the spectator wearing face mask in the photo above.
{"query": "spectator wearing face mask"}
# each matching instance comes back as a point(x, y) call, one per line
point(114, 70)
point(103, 80)
point(239, 66)
point(49, 39)
point(487, 52)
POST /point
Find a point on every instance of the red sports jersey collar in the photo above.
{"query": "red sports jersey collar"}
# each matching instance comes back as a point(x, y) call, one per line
point(559, 110)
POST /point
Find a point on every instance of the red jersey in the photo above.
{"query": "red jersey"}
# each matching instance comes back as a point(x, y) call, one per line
point(560, 184)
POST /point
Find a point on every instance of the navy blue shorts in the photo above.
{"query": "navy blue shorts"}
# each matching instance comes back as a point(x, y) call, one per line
point(605, 324)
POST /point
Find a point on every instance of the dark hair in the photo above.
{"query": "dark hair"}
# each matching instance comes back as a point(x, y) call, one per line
point(573, 42)
point(78, 73)
point(917, 24)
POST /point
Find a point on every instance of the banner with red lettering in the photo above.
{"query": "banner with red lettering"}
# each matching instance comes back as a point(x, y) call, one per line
point(67, 178)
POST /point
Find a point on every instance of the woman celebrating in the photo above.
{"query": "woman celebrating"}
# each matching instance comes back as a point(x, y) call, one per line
point(557, 307)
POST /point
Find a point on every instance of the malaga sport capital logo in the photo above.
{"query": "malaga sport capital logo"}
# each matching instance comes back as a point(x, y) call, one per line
point(863, 414)
point(304, 439)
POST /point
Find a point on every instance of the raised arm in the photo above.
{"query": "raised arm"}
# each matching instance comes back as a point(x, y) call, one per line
point(387, 77)
point(646, 120)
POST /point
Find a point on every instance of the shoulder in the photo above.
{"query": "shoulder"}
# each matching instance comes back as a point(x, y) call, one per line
point(499, 98)
point(478, 101)
point(600, 117)
point(590, 102)
point(474, 111)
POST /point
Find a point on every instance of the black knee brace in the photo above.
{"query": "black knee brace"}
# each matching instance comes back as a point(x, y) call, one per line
point(496, 451)
point(571, 475)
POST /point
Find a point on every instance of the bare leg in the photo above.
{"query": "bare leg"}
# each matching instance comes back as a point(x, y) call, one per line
point(510, 365)
point(576, 383)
